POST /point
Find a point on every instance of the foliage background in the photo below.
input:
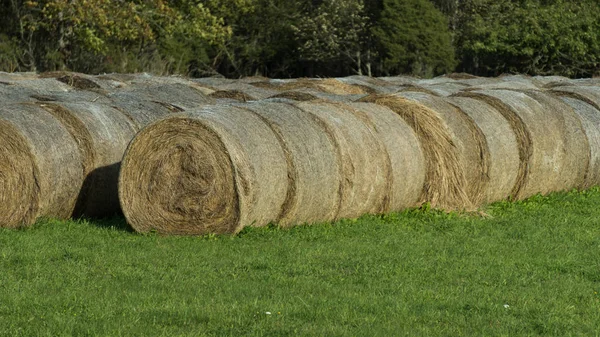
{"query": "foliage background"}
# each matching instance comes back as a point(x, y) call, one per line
point(283, 38)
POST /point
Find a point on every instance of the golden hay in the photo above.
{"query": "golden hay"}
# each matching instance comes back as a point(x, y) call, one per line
point(40, 166)
point(215, 170)
point(445, 184)
point(472, 151)
point(553, 147)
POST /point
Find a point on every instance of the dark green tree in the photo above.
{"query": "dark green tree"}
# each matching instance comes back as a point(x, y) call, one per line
point(412, 37)
point(537, 37)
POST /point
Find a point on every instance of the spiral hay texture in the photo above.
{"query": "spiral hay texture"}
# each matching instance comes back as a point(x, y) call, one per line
point(204, 172)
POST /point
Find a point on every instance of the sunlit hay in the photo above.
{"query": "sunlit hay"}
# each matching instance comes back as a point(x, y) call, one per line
point(401, 151)
point(590, 119)
point(553, 148)
point(365, 169)
point(416, 88)
point(215, 170)
point(313, 161)
point(146, 104)
point(472, 150)
point(40, 166)
point(585, 101)
point(445, 184)
point(502, 147)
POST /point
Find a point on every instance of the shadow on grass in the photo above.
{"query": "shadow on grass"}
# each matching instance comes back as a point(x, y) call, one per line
point(116, 222)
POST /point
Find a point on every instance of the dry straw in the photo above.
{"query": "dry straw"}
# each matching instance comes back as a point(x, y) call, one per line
point(404, 152)
point(585, 101)
point(330, 86)
point(102, 134)
point(472, 151)
point(553, 147)
point(212, 171)
point(445, 183)
point(365, 169)
point(40, 166)
point(501, 148)
point(313, 163)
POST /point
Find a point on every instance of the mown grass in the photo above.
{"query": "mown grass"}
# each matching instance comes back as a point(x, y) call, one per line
point(531, 268)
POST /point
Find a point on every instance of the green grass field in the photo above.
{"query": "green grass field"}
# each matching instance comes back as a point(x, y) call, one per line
point(530, 268)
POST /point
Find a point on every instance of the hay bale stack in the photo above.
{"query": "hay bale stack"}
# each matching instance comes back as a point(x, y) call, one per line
point(303, 95)
point(204, 172)
point(40, 166)
point(470, 143)
point(501, 148)
point(211, 171)
point(445, 184)
point(398, 80)
point(553, 147)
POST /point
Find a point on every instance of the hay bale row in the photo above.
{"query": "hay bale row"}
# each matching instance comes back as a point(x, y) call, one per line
point(202, 171)
point(453, 144)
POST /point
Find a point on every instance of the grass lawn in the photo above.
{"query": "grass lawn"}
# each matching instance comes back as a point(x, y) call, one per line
point(531, 268)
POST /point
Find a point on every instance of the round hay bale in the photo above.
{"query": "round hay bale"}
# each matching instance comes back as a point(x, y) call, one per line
point(461, 76)
point(313, 163)
point(553, 147)
point(215, 170)
point(588, 94)
point(102, 134)
point(470, 143)
point(404, 153)
point(365, 167)
point(369, 85)
point(590, 119)
point(416, 88)
point(40, 166)
point(249, 89)
point(501, 147)
point(445, 184)
point(552, 81)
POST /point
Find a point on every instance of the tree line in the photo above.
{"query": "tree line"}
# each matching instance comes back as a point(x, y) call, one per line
point(296, 38)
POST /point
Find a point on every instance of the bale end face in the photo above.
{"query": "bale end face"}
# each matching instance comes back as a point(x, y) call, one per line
point(177, 178)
